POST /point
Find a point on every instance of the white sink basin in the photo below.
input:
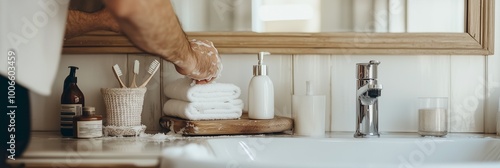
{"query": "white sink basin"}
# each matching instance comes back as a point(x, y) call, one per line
point(335, 152)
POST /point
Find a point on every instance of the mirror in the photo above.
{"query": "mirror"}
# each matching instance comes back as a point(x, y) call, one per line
point(321, 15)
point(374, 38)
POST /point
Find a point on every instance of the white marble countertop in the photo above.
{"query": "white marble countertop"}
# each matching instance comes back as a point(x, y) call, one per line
point(50, 148)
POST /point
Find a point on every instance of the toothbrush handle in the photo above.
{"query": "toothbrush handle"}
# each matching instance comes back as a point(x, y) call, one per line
point(146, 82)
point(150, 76)
point(122, 85)
point(133, 84)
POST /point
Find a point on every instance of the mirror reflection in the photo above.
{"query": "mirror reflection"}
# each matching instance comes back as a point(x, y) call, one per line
point(321, 15)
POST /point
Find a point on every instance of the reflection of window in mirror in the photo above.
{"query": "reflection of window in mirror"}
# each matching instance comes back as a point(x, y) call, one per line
point(321, 15)
point(441, 16)
point(286, 16)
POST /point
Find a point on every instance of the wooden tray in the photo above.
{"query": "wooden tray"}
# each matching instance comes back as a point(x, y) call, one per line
point(241, 126)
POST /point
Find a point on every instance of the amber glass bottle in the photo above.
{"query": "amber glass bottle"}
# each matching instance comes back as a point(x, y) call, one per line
point(72, 101)
point(87, 125)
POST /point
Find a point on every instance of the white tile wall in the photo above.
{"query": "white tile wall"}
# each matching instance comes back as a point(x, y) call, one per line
point(405, 78)
point(492, 91)
point(492, 110)
point(467, 93)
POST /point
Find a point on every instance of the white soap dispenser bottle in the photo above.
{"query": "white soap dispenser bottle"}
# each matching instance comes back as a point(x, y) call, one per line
point(261, 92)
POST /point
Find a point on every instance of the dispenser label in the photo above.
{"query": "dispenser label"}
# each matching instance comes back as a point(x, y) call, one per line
point(68, 111)
point(89, 129)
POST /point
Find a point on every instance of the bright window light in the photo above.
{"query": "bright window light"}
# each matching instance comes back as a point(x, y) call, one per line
point(285, 12)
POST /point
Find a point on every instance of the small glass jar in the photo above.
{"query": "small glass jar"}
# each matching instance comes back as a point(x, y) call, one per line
point(433, 116)
point(87, 125)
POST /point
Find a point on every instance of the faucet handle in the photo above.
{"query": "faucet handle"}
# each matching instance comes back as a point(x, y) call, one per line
point(374, 62)
point(367, 70)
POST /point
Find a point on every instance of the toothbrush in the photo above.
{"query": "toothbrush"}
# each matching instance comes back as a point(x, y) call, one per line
point(153, 67)
point(118, 73)
point(133, 84)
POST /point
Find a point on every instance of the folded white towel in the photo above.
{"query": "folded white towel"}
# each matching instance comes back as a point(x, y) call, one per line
point(204, 110)
point(181, 89)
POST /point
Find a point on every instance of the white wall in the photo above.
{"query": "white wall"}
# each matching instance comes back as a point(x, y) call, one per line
point(492, 93)
point(472, 84)
point(404, 78)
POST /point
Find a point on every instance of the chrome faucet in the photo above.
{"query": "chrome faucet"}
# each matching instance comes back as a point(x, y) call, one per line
point(367, 94)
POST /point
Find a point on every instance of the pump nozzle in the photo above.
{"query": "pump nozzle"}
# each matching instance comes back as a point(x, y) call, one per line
point(72, 74)
point(261, 57)
point(72, 70)
point(260, 69)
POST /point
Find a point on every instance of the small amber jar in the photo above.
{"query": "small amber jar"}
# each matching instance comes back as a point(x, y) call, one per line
point(87, 125)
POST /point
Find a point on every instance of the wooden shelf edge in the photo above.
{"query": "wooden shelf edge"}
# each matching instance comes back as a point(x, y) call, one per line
point(440, 46)
point(293, 51)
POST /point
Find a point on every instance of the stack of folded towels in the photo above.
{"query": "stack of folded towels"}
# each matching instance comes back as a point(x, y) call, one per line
point(212, 101)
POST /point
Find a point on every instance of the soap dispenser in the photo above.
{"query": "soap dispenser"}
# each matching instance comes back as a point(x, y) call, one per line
point(72, 102)
point(261, 92)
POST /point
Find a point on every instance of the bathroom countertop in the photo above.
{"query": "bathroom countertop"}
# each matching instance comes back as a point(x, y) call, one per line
point(52, 150)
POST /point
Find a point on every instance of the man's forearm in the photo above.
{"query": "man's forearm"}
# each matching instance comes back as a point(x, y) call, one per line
point(79, 23)
point(153, 26)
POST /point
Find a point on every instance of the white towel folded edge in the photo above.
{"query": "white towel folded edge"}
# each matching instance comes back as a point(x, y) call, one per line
point(182, 89)
point(204, 110)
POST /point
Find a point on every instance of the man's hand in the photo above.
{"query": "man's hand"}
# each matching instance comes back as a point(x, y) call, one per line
point(153, 26)
point(205, 64)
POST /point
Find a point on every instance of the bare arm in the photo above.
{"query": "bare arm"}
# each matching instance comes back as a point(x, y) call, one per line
point(79, 23)
point(153, 26)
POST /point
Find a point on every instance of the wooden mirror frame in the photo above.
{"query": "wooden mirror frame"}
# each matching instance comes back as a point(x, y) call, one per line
point(478, 39)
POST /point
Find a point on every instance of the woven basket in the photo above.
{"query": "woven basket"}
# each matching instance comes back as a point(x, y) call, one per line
point(123, 105)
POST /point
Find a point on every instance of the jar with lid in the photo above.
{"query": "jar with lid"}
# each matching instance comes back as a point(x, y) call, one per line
point(87, 125)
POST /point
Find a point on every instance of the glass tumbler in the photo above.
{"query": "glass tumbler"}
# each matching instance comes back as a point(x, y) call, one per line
point(433, 116)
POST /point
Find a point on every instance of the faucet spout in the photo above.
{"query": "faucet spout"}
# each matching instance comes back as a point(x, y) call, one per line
point(369, 93)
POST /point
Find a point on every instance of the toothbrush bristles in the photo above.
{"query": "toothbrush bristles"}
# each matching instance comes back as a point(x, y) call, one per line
point(153, 66)
point(118, 73)
point(136, 67)
point(117, 70)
